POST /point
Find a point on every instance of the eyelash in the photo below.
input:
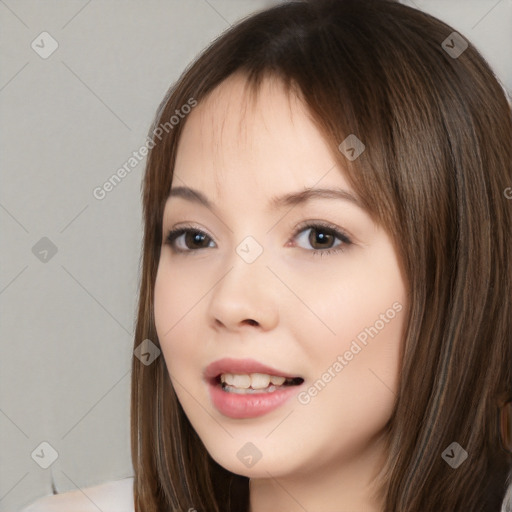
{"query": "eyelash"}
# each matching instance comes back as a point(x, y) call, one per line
point(328, 228)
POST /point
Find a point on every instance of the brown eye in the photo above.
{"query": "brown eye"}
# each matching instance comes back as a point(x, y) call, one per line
point(321, 236)
point(195, 239)
point(192, 239)
point(322, 239)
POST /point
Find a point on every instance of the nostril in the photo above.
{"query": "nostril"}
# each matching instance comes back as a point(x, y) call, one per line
point(252, 322)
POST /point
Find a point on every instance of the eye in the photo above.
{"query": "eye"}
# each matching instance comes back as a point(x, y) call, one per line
point(321, 237)
point(192, 238)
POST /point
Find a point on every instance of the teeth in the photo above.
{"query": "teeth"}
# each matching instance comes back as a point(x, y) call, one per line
point(278, 381)
point(252, 380)
point(259, 380)
point(239, 381)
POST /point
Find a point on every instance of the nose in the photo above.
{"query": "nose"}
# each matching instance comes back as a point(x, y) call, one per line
point(245, 296)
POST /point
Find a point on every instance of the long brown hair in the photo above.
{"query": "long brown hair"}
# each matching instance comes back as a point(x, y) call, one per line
point(437, 129)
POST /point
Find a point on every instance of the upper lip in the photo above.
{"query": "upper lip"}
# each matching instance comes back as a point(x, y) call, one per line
point(241, 366)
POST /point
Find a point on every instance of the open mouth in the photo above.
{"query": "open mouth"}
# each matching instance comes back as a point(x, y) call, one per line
point(246, 388)
point(253, 383)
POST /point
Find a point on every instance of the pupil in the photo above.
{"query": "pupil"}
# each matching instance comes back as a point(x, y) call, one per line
point(319, 237)
point(195, 238)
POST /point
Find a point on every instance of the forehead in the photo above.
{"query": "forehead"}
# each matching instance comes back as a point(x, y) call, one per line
point(234, 114)
point(257, 142)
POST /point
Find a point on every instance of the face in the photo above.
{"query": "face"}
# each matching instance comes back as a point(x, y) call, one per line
point(311, 289)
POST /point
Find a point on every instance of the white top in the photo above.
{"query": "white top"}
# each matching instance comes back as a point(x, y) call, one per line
point(117, 496)
point(114, 496)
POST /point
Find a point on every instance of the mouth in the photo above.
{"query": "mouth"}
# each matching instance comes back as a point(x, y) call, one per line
point(253, 383)
point(244, 388)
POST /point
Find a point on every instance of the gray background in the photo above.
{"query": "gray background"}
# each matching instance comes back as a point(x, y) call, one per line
point(68, 122)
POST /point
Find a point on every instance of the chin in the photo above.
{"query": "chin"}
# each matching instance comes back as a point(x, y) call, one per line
point(256, 459)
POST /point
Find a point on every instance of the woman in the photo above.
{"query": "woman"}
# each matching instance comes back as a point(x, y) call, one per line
point(377, 376)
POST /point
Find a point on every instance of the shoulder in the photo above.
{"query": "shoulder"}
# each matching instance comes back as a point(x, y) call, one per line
point(114, 496)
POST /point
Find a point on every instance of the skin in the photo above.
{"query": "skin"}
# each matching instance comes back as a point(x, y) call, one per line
point(288, 309)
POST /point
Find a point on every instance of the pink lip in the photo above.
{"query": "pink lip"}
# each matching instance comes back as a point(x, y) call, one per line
point(230, 365)
point(240, 406)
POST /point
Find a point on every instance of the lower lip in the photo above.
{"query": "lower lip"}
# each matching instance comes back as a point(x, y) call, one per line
point(238, 406)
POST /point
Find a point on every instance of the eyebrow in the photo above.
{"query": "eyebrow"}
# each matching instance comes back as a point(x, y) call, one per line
point(277, 202)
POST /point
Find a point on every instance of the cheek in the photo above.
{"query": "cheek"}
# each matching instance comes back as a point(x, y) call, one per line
point(175, 297)
point(363, 300)
point(354, 351)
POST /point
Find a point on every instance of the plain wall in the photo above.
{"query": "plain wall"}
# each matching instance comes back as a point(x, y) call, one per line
point(67, 123)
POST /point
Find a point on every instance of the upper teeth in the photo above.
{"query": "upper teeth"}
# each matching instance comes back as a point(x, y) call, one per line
point(252, 380)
